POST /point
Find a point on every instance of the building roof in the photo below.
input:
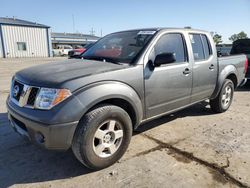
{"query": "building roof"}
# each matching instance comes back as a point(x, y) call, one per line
point(74, 36)
point(18, 22)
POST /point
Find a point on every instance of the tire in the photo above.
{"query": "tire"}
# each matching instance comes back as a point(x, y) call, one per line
point(102, 136)
point(224, 100)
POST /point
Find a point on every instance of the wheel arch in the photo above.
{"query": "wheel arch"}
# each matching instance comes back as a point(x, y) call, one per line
point(233, 78)
point(122, 103)
point(118, 94)
point(229, 72)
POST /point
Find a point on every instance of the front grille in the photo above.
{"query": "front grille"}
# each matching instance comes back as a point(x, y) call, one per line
point(23, 95)
point(32, 96)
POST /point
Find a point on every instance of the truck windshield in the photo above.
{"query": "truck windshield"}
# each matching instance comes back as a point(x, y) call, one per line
point(122, 47)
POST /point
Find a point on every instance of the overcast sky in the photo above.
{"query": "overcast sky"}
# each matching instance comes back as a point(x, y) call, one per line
point(225, 17)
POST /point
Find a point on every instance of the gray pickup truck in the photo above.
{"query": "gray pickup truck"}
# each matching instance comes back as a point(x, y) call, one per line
point(93, 104)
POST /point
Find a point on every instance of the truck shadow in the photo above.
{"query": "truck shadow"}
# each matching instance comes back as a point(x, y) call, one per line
point(22, 162)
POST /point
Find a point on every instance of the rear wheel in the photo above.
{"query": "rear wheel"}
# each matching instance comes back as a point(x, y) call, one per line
point(224, 100)
point(102, 136)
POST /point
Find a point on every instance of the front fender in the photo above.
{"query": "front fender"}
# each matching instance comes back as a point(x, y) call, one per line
point(93, 94)
point(228, 70)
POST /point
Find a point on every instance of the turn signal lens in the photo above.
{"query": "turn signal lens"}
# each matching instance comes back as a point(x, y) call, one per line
point(61, 95)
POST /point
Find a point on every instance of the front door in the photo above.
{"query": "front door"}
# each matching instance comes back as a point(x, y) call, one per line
point(169, 86)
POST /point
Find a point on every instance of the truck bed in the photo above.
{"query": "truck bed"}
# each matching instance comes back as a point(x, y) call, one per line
point(237, 61)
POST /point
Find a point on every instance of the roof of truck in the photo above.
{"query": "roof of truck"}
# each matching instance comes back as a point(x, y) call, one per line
point(166, 28)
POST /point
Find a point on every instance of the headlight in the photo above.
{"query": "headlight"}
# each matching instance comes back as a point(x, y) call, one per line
point(48, 98)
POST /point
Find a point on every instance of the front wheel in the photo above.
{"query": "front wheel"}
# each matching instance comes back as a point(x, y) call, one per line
point(102, 136)
point(224, 100)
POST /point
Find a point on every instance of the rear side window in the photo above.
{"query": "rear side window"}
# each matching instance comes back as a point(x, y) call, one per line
point(172, 43)
point(201, 47)
point(207, 46)
point(197, 47)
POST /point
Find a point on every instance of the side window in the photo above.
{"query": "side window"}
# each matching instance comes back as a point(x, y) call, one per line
point(201, 47)
point(172, 43)
point(207, 46)
point(197, 47)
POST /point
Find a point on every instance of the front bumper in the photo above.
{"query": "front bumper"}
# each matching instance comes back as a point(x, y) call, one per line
point(54, 137)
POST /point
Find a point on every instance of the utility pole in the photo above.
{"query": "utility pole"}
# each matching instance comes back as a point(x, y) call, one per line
point(101, 32)
point(92, 32)
point(73, 19)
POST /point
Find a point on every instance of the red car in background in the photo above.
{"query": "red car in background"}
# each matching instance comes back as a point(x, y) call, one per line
point(78, 51)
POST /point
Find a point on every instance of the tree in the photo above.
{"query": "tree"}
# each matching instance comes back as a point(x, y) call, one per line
point(241, 35)
point(217, 39)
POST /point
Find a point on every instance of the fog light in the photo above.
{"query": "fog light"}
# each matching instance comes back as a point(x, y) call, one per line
point(39, 138)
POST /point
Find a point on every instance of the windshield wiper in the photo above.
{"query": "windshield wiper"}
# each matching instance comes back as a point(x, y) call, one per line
point(100, 58)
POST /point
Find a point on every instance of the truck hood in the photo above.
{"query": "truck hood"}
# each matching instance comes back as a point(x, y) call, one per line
point(53, 75)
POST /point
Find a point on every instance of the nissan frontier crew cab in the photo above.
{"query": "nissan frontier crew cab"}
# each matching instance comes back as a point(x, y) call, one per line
point(93, 104)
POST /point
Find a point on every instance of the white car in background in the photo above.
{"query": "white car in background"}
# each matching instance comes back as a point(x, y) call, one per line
point(62, 50)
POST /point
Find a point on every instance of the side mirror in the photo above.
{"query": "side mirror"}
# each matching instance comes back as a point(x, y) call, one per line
point(164, 58)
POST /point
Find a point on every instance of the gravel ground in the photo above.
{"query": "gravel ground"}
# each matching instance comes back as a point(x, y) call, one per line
point(191, 148)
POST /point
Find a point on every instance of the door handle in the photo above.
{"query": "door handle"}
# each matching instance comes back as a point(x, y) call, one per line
point(186, 71)
point(211, 67)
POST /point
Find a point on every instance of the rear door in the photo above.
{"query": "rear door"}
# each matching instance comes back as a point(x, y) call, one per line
point(168, 87)
point(204, 67)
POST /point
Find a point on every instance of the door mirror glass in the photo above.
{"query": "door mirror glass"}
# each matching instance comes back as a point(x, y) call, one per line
point(164, 58)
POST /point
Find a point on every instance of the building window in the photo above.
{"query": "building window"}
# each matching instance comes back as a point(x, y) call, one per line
point(21, 46)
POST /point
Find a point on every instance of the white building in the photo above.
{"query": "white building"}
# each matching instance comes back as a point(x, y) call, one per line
point(72, 39)
point(20, 38)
